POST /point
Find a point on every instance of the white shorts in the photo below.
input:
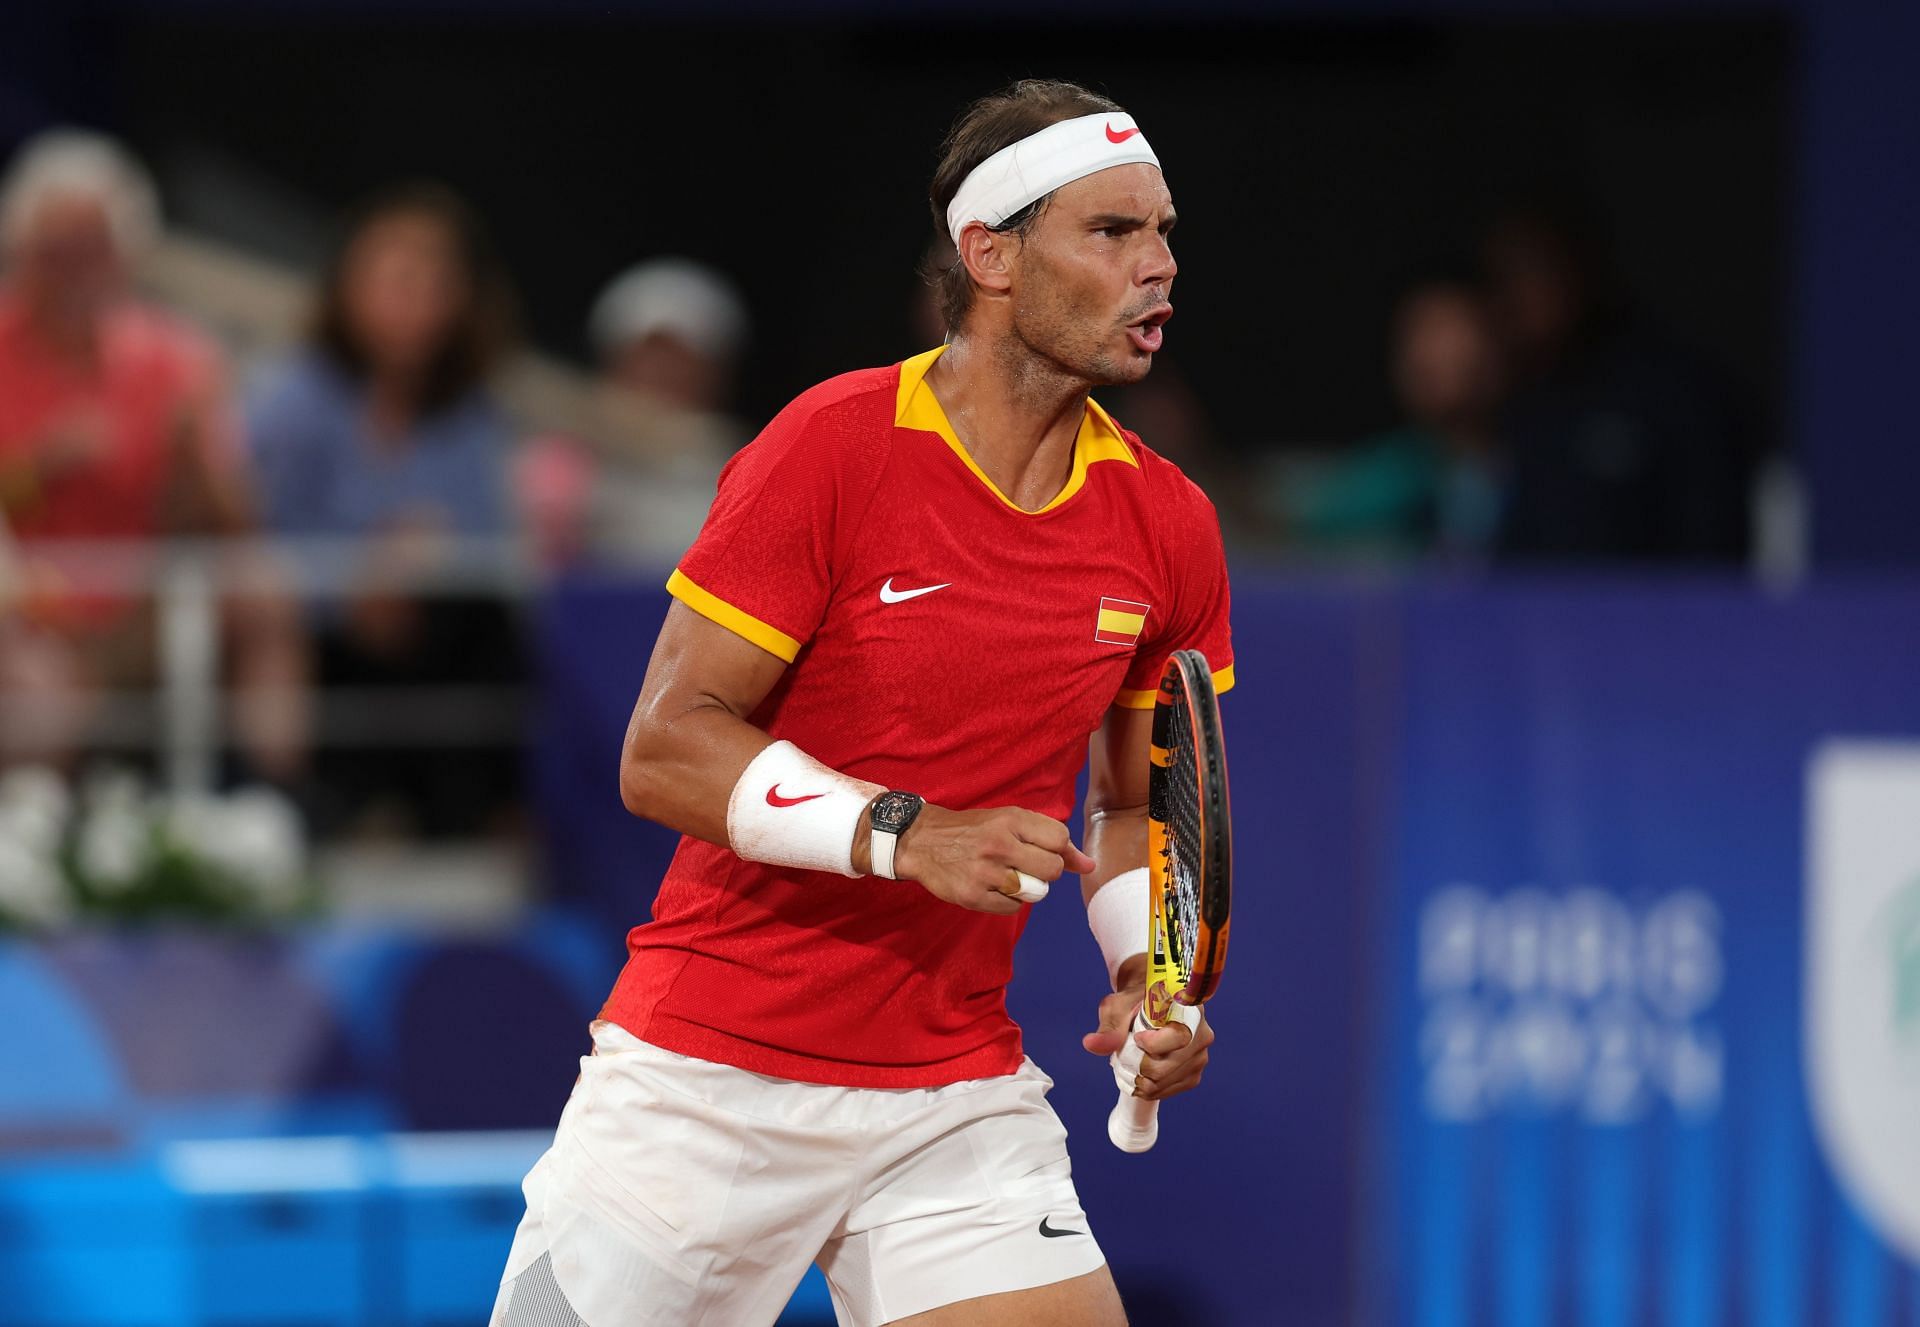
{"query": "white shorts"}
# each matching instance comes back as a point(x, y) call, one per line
point(678, 1191)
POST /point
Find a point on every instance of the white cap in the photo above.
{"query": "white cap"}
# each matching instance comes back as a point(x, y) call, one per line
point(76, 161)
point(685, 299)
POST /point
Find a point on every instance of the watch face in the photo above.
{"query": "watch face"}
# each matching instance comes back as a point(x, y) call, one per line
point(893, 812)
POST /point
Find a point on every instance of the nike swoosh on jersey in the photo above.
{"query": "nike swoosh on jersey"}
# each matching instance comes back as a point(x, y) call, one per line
point(775, 799)
point(1050, 1233)
point(889, 595)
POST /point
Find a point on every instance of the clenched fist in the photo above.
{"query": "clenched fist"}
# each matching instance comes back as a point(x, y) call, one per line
point(970, 857)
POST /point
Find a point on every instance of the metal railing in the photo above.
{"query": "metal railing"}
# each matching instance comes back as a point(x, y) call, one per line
point(189, 716)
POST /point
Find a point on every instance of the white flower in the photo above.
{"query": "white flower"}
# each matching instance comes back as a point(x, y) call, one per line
point(31, 888)
point(34, 806)
point(254, 835)
point(116, 830)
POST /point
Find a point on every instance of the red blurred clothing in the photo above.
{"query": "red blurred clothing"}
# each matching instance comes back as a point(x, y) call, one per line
point(943, 641)
point(153, 391)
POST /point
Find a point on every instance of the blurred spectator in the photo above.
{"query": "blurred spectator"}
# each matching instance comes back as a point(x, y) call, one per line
point(383, 431)
point(671, 329)
point(1622, 446)
point(115, 425)
point(631, 482)
point(1432, 485)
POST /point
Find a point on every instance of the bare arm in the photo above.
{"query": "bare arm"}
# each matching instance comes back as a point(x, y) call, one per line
point(689, 738)
point(689, 741)
point(1117, 769)
point(1117, 796)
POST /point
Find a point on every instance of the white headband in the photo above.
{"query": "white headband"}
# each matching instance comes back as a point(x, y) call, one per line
point(1034, 167)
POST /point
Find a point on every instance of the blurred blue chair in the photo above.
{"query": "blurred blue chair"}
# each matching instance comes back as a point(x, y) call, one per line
point(279, 1230)
point(63, 1085)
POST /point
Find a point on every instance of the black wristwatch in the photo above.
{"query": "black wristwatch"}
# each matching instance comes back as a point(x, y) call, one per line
point(890, 815)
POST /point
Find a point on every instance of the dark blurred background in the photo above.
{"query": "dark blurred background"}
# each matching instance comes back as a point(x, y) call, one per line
point(364, 369)
point(1319, 165)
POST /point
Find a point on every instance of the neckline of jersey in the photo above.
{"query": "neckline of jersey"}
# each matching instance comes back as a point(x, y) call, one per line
point(916, 407)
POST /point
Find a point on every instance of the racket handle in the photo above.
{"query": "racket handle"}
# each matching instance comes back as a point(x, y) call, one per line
point(1134, 1124)
point(1032, 888)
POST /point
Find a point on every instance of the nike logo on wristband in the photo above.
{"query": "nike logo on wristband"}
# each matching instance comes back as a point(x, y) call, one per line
point(775, 799)
point(1050, 1233)
point(889, 595)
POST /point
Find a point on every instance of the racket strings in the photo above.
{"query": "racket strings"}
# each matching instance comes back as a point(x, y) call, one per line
point(1186, 853)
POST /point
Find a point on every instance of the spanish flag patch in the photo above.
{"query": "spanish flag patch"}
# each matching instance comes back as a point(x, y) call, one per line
point(1120, 621)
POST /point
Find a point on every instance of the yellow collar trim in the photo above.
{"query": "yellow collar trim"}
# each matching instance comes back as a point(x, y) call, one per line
point(916, 407)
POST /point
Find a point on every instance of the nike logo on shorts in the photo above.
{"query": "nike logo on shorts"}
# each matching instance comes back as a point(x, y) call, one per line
point(889, 595)
point(1051, 1233)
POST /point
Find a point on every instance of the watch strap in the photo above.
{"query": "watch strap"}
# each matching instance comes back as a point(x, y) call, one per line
point(884, 842)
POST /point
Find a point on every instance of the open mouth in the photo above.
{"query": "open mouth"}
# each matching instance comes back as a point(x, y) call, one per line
point(1145, 331)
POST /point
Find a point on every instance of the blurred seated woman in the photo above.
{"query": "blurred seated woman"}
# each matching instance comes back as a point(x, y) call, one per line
point(116, 432)
point(382, 432)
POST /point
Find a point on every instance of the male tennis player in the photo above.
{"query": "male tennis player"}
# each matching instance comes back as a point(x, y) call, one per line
point(920, 592)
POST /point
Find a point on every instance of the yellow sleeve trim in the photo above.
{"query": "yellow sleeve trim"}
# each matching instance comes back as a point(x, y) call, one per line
point(744, 625)
point(1143, 700)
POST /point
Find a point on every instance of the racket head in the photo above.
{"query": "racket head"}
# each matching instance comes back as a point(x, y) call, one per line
point(1190, 840)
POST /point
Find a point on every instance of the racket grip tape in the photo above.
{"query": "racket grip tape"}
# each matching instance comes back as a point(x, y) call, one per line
point(1134, 1124)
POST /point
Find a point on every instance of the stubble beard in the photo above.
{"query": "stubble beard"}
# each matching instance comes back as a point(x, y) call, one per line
point(1053, 341)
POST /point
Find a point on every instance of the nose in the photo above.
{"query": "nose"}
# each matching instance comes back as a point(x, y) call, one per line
point(1160, 267)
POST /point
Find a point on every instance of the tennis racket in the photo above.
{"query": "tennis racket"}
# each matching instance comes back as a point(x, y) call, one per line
point(1190, 873)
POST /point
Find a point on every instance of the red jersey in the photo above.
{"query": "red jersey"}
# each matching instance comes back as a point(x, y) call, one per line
point(940, 640)
point(153, 372)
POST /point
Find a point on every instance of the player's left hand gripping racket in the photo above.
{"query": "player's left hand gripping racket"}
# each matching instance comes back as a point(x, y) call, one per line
point(1190, 871)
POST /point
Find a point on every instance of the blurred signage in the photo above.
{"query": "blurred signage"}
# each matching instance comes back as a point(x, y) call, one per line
point(1581, 1002)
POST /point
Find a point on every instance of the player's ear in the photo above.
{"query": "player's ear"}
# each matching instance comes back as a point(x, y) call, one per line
point(988, 257)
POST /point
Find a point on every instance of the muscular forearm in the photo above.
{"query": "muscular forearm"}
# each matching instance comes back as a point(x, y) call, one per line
point(1117, 841)
point(680, 766)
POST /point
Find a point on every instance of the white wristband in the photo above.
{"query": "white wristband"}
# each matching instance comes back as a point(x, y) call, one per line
point(1119, 913)
point(788, 809)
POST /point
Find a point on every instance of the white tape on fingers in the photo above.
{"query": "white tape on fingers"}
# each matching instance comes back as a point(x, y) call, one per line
point(1186, 1014)
point(1032, 888)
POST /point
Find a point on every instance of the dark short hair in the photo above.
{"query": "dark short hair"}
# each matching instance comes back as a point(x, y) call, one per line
point(479, 332)
point(992, 123)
